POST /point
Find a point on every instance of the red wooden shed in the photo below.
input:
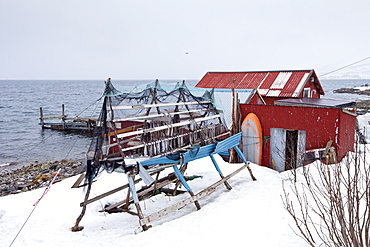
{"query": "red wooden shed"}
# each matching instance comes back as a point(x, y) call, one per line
point(294, 120)
point(291, 127)
point(271, 85)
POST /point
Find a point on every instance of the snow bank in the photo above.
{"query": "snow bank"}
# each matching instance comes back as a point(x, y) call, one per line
point(362, 88)
point(250, 214)
point(364, 125)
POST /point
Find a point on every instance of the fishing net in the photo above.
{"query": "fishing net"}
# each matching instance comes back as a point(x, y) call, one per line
point(153, 122)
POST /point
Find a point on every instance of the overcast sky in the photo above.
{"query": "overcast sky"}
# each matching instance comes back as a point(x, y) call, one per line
point(173, 39)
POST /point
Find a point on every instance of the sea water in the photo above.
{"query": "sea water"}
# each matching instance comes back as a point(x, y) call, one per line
point(23, 141)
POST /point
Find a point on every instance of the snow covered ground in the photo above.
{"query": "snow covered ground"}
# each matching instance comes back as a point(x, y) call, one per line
point(362, 88)
point(251, 214)
point(364, 125)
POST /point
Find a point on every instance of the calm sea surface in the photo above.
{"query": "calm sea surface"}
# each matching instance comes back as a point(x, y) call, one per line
point(23, 141)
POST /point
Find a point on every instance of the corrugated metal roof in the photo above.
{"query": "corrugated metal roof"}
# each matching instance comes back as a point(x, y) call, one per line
point(273, 93)
point(287, 83)
point(281, 80)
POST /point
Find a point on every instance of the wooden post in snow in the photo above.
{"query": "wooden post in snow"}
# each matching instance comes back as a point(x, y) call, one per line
point(234, 123)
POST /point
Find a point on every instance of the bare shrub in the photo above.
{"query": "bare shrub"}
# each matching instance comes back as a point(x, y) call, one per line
point(330, 204)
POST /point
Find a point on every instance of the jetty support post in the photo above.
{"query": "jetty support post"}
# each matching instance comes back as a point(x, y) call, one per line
point(42, 118)
point(63, 118)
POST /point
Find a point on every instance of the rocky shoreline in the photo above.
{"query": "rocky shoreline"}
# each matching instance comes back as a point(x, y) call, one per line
point(362, 106)
point(36, 175)
point(353, 91)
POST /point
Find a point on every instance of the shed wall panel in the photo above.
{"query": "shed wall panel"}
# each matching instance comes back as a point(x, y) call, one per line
point(321, 125)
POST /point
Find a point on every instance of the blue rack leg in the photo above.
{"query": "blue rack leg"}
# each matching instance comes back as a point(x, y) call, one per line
point(132, 187)
point(228, 186)
point(241, 155)
point(186, 185)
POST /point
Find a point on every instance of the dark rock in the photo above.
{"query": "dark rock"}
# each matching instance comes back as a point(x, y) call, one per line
point(346, 90)
point(54, 167)
point(44, 171)
point(23, 179)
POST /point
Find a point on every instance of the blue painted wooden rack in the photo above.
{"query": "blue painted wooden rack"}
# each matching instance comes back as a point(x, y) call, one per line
point(177, 159)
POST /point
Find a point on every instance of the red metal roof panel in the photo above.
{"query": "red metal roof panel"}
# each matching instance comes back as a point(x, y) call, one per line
point(295, 84)
point(290, 83)
point(252, 80)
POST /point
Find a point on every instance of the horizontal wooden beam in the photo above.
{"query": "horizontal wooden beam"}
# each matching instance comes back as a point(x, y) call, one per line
point(164, 127)
point(54, 117)
point(169, 152)
point(131, 128)
point(142, 193)
point(153, 142)
point(107, 193)
point(189, 200)
point(82, 118)
point(67, 124)
point(158, 115)
point(128, 107)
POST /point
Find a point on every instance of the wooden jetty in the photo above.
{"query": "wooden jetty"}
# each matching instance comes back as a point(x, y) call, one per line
point(142, 133)
point(66, 123)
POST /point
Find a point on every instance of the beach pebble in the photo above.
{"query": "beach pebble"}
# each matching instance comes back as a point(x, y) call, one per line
point(36, 175)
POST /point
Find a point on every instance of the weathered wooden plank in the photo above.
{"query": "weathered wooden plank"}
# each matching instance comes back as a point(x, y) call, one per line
point(128, 107)
point(107, 193)
point(121, 142)
point(163, 139)
point(54, 117)
point(173, 150)
point(61, 127)
point(137, 132)
point(209, 190)
point(158, 115)
point(153, 142)
point(131, 128)
point(78, 181)
point(82, 118)
point(140, 194)
point(70, 124)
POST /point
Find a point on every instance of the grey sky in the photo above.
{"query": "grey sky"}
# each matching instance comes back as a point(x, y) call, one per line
point(90, 39)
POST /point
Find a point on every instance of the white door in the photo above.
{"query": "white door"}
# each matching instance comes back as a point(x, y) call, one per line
point(301, 147)
point(277, 149)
